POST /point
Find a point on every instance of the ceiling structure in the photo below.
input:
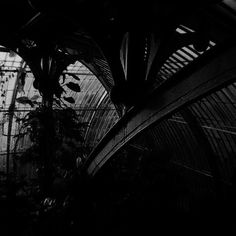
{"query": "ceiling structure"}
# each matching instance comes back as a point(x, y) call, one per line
point(92, 103)
point(158, 90)
point(210, 106)
point(117, 48)
point(98, 33)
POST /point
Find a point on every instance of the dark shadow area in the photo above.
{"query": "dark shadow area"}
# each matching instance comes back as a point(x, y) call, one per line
point(159, 198)
point(163, 199)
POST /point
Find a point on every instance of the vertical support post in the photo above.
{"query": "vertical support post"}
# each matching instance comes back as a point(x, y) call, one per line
point(47, 139)
point(137, 57)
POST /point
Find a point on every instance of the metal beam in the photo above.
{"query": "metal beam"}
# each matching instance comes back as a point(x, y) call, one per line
point(221, 70)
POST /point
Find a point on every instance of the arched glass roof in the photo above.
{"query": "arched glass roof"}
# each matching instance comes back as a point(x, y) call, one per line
point(92, 103)
point(180, 58)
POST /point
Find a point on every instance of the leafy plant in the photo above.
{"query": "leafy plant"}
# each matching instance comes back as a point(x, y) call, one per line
point(55, 131)
point(73, 75)
point(69, 99)
point(73, 86)
point(68, 135)
point(25, 100)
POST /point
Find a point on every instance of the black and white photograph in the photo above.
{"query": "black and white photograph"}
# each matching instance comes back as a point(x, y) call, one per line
point(117, 117)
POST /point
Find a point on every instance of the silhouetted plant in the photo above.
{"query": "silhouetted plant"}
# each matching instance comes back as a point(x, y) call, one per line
point(55, 132)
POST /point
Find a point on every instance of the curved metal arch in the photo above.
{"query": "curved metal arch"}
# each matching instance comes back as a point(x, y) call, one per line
point(219, 71)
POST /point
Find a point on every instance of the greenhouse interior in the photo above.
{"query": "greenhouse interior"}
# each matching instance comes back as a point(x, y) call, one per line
point(117, 117)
